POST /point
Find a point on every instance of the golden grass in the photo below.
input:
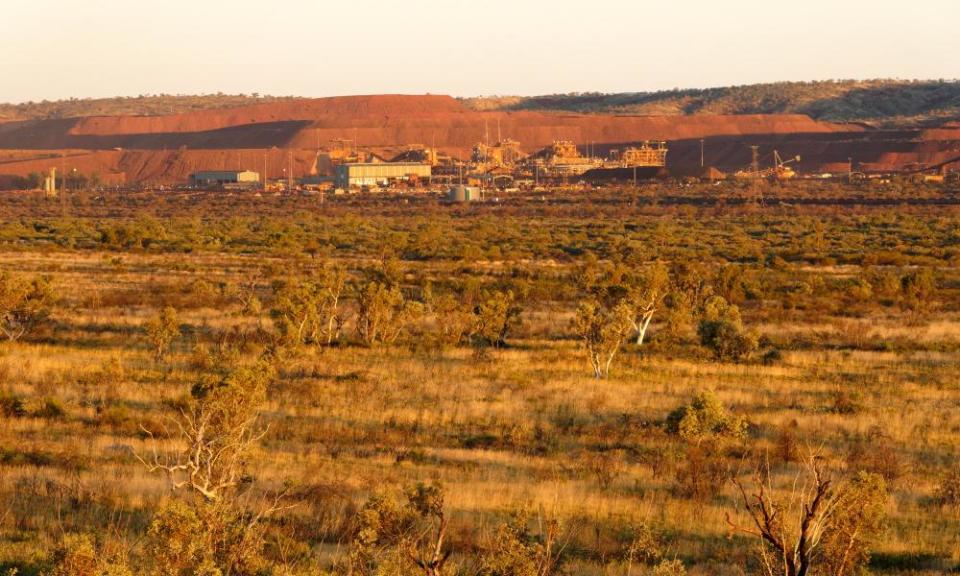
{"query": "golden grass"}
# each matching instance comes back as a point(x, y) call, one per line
point(369, 419)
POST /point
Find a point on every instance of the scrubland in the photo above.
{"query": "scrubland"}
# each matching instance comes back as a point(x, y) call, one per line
point(455, 359)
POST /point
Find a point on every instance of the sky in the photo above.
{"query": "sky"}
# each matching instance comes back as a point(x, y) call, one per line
point(55, 49)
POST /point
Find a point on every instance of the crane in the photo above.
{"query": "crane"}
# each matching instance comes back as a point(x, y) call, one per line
point(779, 171)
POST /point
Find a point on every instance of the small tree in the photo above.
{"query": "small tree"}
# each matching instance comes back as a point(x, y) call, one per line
point(858, 521)
point(307, 310)
point(402, 538)
point(382, 313)
point(24, 304)
point(162, 330)
point(427, 551)
point(721, 329)
point(602, 330)
point(454, 319)
point(918, 289)
point(217, 432)
point(494, 316)
point(645, 294)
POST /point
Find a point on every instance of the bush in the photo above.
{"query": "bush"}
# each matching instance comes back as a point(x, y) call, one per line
point(846, 401)
point(51, 409)
point(162, 330)
point(12, 406)
point(77, 555)
point(606, 467)
point(24, 304)
point(876, 454)
point(700, 475)
point(721, 329)
point(520, 552)
point(670, 568)
point(645, 546)
point(705, 418)
point(948, 491)
point(787, 447)
point(174, 544)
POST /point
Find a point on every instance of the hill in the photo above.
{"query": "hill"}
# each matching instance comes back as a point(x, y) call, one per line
point(143, 105)
point(879, 102)
point(270, 134)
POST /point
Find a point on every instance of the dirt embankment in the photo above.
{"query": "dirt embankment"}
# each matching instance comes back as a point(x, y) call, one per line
point(169, 148)
point(378, 121)
point(161, 166)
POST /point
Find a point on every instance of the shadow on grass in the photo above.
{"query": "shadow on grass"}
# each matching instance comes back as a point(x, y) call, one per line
point(902, 561)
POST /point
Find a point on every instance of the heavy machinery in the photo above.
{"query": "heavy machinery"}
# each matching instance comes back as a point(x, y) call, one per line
point(779, 171)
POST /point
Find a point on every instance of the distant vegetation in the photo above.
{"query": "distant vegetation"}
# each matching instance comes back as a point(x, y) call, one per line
point(143, 105)
point(887, 102)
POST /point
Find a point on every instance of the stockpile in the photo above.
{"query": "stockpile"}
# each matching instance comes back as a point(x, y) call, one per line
point(169, 148)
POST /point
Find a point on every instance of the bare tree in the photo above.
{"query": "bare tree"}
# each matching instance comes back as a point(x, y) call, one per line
point(815, 524)
point(217, 433)
point(788, 545)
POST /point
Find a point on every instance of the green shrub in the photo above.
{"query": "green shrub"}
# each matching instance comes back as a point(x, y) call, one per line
point(12, 406)
point(721, 330)
point(705, 418)
point(51, 409)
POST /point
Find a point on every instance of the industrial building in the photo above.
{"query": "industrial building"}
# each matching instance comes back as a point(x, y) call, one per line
point(563, 159)
point(379, 173)
point(646, 154)
point(503, 153)
point(226, 178)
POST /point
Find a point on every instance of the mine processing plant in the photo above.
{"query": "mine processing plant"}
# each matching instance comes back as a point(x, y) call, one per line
point(648, 154)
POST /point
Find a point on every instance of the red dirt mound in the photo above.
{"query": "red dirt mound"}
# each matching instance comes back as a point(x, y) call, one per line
point(160, 166)
point(346, 107)
point(168, 148)
point(376, 121)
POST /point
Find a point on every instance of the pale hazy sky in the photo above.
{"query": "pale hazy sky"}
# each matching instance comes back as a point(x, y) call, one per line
point(53, 49)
